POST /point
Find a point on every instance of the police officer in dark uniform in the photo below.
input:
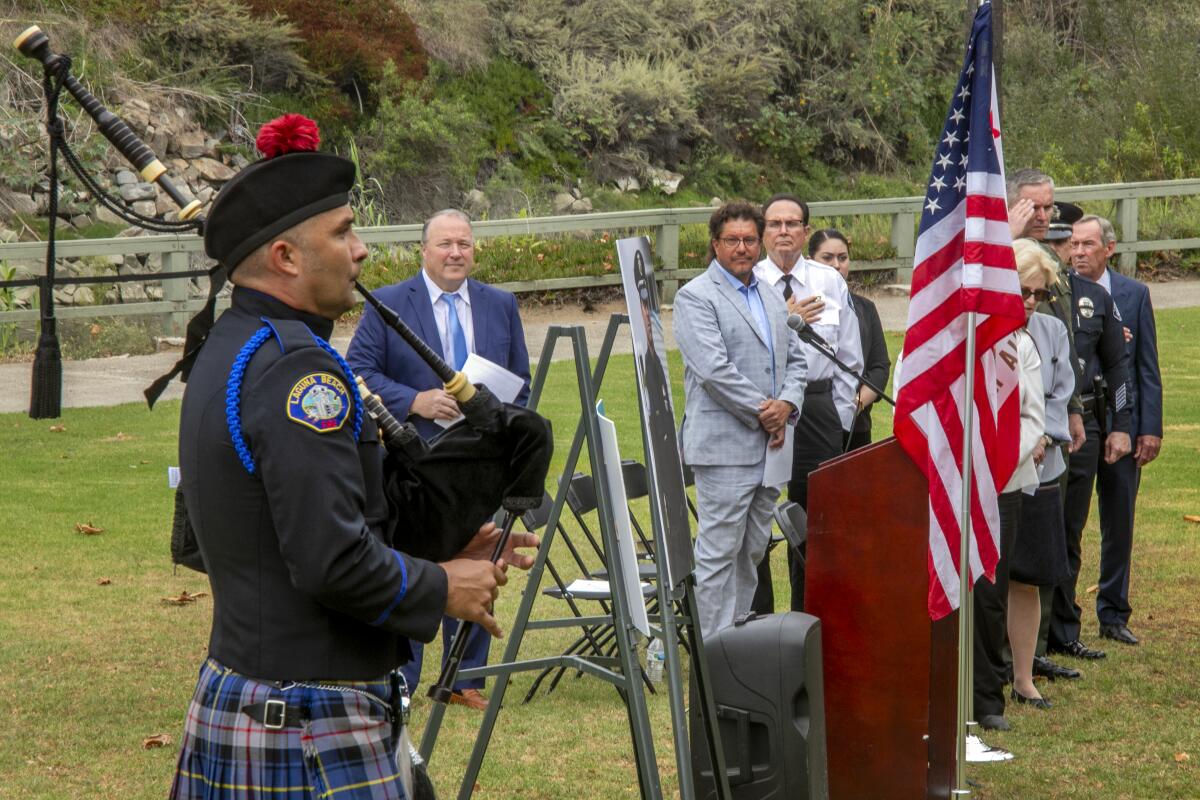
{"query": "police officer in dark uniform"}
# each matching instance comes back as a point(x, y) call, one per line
point(282, 476)
point(1103, 381)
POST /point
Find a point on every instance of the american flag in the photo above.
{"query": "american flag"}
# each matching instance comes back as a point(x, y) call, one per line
point(963, 263)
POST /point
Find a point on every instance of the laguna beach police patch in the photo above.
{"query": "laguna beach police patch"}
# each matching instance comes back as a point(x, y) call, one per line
point(319, 401)
point(1086, 308)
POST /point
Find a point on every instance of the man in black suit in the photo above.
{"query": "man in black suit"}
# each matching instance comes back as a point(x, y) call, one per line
point(1092, 244)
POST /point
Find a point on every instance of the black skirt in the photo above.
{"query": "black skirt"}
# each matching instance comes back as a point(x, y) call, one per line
point(1039, 556)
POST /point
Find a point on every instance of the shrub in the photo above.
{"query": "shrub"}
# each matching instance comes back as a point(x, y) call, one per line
point(456, 33)
point(212, 39)
point(422, 148)
point(349, 41)
point(634, 101)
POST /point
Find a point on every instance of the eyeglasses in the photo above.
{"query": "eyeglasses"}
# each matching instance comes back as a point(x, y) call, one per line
point(782, 224)
point(732, 242)
point(1041, 295)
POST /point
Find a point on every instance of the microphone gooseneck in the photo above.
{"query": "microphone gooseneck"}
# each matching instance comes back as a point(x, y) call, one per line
point(807, 334)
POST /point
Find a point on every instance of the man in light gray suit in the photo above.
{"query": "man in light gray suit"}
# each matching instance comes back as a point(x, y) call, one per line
point(744, 383)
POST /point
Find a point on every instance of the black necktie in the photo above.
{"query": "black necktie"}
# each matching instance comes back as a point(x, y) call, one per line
point(787, 287)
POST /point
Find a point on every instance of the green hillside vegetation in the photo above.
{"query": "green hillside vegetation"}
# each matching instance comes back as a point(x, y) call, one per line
point(525, 99)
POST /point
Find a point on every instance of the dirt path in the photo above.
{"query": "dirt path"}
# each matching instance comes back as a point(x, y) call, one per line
point(121, 379)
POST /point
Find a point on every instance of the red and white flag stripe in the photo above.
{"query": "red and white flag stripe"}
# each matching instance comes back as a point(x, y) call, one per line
point(964, 263)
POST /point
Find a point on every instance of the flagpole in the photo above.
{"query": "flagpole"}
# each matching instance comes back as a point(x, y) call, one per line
point(965, 596)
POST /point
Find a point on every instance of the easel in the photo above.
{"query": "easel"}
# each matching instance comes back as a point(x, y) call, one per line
point(628, 680)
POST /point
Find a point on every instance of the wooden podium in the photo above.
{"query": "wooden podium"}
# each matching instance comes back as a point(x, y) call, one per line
point(890, 673)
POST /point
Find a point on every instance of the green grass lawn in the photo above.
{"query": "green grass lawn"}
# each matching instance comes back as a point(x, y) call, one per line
point(92, 661)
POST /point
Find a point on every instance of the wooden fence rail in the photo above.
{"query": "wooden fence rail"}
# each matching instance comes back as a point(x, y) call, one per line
point(177, 252)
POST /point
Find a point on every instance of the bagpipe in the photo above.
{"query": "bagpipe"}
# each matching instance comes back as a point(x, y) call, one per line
point(440, 492)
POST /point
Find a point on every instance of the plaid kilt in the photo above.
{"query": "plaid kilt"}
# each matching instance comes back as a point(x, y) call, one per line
point(343, 750)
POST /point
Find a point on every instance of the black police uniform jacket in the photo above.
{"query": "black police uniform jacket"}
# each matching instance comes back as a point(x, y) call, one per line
point(1100, 345)
point(304, 585)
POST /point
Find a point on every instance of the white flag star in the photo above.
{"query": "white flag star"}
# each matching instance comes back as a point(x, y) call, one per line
point(938, 183)
point(958, 116)
point(944, 161)
point(960, 183)
point(932, 206)
point(950, 138)
point(964, 93)
point(962, 162)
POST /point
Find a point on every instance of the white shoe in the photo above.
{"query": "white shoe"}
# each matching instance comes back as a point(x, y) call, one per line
point(979, 752)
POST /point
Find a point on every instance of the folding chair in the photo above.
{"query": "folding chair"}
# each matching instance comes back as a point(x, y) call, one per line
point(792, 520)
point(598, 640)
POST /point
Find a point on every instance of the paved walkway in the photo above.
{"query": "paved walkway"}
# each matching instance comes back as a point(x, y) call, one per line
point(121, 379)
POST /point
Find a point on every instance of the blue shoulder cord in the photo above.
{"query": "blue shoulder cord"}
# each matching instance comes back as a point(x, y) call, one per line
point(233, 391)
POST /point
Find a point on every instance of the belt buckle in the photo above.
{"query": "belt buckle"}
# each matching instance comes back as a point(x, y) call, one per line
point(275, 715)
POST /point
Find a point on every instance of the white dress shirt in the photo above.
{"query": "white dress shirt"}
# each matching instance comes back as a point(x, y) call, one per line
point(838, 325)
point(441, 314)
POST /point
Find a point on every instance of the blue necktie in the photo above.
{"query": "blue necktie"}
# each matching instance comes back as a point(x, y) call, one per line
point(458, 339)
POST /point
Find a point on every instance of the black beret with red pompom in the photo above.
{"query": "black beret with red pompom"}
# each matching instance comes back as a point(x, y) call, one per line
point(291, 183)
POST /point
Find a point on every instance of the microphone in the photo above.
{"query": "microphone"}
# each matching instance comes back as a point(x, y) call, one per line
point(805, 331)
point(807, 334)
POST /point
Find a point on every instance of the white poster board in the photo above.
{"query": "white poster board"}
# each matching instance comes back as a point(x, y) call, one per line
point(626, 568)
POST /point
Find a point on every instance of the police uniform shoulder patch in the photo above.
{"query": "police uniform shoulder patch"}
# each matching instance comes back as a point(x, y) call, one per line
point(319, 401)
point(1086, 307)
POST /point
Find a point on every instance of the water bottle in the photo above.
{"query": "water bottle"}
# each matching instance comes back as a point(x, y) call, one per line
point(656, 656)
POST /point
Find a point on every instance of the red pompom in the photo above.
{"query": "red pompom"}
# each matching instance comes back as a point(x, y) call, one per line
point(291, 133)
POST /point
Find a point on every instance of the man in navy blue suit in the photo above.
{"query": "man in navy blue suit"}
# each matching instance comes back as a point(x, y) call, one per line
point(455, 316)
point(1092, 244)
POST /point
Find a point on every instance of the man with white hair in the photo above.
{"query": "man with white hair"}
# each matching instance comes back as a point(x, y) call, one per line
point(1092, 245)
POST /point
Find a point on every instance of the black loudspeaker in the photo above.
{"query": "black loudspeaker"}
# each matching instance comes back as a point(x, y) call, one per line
point(767, 684)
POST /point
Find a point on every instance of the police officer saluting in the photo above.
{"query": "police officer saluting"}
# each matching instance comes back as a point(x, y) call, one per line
point(282, 476)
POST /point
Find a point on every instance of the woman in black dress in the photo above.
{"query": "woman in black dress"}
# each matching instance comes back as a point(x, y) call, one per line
point(829, 246)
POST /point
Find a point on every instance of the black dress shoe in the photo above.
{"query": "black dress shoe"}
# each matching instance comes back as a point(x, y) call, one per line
point(1118, 633)
point(1078, 649)
point(994, 722)
point(1048, 669)
point(1036, 702)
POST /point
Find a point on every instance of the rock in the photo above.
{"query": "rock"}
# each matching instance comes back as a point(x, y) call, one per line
point(563, 202)
point(158, 142)
point(132, 292)
point(205, 194)
point(154, 292)
point(190, 144)
point(145, 207)
point(84, 296)
point(133, 192)
point(715, 201)
point(664, 180)
point(125, 177)
point(104, 215)
point(239, 161)
point(7, 235)
point(581, 206)
point(477, 203)
point(212, 170)
point(576, 193)
point(628, 183)
point(19, 202)
point(81, 221)
point(164, 205)
point(23, 296)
